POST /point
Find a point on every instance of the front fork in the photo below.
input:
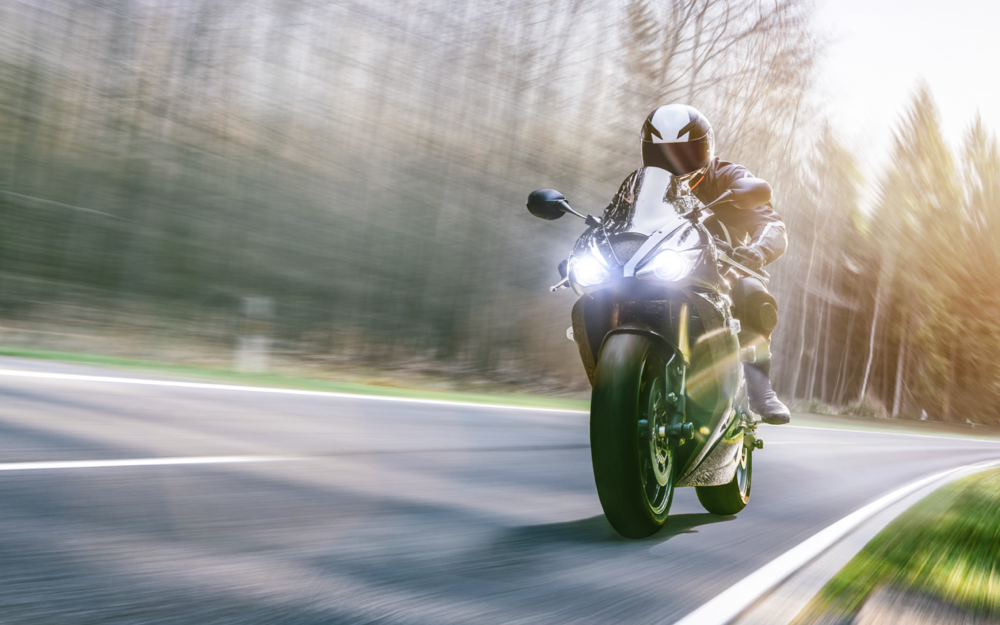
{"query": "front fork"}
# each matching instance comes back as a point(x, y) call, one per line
point(678, 426)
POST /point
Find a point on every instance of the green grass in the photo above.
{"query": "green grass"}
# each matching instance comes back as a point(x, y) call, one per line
point(373, 383)
point(226, 376)
point(946, 547)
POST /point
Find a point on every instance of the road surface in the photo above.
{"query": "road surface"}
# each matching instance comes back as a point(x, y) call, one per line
point(330, 509)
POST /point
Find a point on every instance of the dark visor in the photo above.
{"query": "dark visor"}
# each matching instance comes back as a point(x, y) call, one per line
point(677, 158)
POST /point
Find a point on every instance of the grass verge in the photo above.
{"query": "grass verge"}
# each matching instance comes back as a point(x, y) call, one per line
point(403, 386)
point(947, 547)
point(226, 376)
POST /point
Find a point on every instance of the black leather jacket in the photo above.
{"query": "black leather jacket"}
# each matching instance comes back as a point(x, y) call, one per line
point(760, 227)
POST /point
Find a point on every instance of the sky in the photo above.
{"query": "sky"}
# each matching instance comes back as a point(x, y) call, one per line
point(881, 49)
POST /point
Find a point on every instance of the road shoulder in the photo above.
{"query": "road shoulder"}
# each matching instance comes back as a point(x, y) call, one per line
point(788, 600)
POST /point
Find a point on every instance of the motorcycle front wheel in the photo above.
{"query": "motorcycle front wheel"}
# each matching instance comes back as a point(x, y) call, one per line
point(634, 468)
point(730, 498)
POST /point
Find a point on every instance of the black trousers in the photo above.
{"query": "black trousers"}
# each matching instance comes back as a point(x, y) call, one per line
point(757, 311)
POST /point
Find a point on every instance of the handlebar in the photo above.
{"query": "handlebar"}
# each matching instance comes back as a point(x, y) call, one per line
point(735, 265)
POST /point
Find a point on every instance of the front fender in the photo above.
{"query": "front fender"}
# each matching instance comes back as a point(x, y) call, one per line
point(597, 315)
point(641, 328)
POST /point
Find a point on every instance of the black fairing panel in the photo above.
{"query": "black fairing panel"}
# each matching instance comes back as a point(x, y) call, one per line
point(637, 307)
point(713, 383)
point(713, 379)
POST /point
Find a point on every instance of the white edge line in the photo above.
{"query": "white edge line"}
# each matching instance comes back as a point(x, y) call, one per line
point(732, 602)
point(413, 400)
point(267, 389)
point(136, 462)
point(956, 437)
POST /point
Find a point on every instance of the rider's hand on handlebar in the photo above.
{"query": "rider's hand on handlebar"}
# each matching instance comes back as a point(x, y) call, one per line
point(724, 247)
point(749, 257)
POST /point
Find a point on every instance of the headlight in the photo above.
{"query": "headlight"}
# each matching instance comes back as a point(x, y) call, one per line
point(669, 265)
point(587, 271)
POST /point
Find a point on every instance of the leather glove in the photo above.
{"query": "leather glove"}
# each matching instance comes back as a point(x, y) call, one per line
point(749, 257)
point(724, 247)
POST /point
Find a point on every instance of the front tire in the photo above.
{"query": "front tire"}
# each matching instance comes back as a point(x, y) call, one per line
point(634, 469)
point(730, 498)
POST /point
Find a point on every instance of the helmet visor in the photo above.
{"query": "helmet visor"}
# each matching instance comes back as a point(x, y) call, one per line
point(679, 158)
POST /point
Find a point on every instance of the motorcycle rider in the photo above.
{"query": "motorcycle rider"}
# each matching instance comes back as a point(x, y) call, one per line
point(679, 139)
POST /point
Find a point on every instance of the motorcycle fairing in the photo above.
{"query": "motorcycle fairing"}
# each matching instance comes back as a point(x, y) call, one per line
point(713, 384)
point(713, 407)
point(650, 199)
point(598, 314)
point(645, 215)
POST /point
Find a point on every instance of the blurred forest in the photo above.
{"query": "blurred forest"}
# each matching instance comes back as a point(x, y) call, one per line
point(365, 164)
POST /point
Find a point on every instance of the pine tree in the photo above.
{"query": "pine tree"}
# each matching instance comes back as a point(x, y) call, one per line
point(918, 221)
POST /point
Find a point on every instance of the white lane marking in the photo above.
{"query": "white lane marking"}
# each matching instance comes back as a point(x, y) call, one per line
point(289, 391)
point(732, 602)
point(911, 446)
point(266, 389)
point(958, 437)
point(136, 462)
point(769, 442)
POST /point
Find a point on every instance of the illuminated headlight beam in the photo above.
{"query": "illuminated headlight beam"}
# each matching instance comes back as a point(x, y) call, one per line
point(669, 265)
point(587, 271)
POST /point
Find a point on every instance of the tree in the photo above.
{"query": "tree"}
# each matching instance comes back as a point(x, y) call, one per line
point(920, 215)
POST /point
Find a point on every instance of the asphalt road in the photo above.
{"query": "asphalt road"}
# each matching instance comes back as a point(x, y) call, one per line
point(378, 512)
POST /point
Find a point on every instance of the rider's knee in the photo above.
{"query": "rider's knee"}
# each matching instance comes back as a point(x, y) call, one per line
point(756, 309)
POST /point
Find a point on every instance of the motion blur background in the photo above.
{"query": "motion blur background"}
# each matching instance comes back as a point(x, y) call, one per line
point(359, 170)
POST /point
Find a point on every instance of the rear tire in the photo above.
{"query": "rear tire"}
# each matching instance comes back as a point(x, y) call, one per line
point(730, 498)
point(634, 469)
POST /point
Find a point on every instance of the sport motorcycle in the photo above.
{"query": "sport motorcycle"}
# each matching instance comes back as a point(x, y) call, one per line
point(657, 324)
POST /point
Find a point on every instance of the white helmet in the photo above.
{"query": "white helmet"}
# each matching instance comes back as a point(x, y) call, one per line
point(679, 139)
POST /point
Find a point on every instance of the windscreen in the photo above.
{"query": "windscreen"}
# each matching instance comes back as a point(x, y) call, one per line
point(645, 203)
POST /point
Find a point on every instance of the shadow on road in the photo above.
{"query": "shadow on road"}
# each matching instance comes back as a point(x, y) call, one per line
point(533, 550)
point(597, 530)
point(686, 524)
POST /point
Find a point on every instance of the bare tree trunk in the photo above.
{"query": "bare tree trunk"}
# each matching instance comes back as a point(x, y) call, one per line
point(946, 408)
point(885, 357)
point(692, 84)
point(814, 365)
point(803, 311)
point(871, 342)
point(900, 369)
point(884, 276)
point(840, 388)
point(826, 355)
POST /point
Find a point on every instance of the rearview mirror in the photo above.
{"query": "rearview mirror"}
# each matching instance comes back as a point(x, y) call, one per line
point(547, 204)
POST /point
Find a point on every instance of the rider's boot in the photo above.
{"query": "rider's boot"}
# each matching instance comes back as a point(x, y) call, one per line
point(763, 399)
point(760, 314)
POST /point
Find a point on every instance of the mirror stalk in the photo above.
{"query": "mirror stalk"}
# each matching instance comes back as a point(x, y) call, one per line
point(590, 220)
point(562, 284)
point(567, 208)
point(696, 213)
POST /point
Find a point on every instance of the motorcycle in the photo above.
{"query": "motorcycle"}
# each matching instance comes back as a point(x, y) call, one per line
point(656, 328)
